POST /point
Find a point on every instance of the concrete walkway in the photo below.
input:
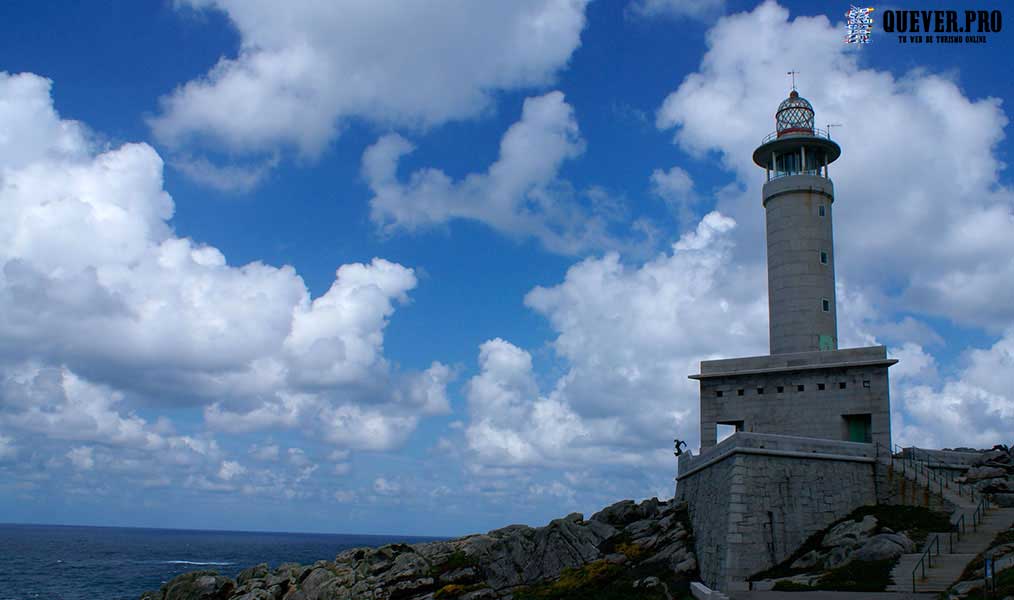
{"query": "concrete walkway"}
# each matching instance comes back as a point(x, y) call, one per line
point(828, 596)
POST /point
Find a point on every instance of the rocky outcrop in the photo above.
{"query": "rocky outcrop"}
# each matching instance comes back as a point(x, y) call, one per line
point(993, 474)
point(640, 545)
point(853, 544)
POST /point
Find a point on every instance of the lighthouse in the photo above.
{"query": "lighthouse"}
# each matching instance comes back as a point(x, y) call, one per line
point(794, 440)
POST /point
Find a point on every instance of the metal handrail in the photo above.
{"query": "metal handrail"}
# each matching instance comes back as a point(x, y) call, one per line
point(816, 133)
point(980, 511)
point(926, 559)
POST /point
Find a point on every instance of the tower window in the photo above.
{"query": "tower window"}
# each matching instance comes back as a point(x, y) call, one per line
point(821, 387)
point(823, 257)
point(760, 391)
point(740, 392)
point(825, 305)
point(800, 388)
point(841, 385)
point(866, 383)
point(718, 393)
point(781, 389)
point(820, 210)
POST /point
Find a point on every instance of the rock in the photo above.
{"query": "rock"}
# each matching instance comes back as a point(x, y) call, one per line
point(991, 455)
point(620, 514)
point(882, 547)
point(647, 582)
point(849, 533)
point(315, 586)
point(962, 588)
point(255, 572)
point(256, 595)
point(1005, 500)
point(640, 528)
point(980, 473)
point(459, 575)
point(808, 560)
point(198, 585)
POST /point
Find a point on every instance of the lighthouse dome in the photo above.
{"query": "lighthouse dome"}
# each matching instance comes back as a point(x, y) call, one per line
point(794, 115)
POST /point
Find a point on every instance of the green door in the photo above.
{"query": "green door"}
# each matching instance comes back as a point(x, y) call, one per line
point(859, 428)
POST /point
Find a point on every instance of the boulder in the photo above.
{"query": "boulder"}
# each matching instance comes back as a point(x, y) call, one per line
point(980, 473)
point(808, 560)
point(883, 546)
point(199, 585)
point(620, 514)
point(255, 572)
point(1005, 500)
point(850, 533)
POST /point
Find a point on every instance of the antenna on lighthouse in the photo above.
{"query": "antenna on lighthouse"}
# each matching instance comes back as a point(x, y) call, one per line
point(829, 126)
point(793, 74)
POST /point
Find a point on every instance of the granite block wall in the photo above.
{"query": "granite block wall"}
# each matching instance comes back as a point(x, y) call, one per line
point(751, 511)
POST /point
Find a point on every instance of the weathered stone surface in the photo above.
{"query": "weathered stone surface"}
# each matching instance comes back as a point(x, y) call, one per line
point(884, 546)
point(809, 560)
point(255, 572)
point(980, 473)
point(849, 533)
point(619, 514)
point(199, 585)
point(1005, 500)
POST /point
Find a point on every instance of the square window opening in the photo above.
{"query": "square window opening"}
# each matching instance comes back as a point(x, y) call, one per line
point(781, 389)
point(800, 388)
point(841, 385)
point(718, 393)
point(821, 387)
point(740, 392)
point(866, 383)
point(760, 391)
point(726, 429)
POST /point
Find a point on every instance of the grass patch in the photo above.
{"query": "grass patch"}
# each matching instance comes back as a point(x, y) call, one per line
point(859, 576)
point(601, 580)
point(856, 576)
point(916, 520)
point(633, 552)
point(455, 590)
point(792, 586)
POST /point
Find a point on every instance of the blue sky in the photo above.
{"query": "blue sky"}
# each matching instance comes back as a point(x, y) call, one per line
point(380, 269)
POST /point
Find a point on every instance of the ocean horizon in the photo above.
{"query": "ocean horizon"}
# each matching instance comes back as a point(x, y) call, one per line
point(87, 562)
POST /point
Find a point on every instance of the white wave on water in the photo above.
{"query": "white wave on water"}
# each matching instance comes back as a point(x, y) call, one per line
point(196, 562)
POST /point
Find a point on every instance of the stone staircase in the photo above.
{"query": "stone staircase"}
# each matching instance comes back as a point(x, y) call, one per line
point(949, 554)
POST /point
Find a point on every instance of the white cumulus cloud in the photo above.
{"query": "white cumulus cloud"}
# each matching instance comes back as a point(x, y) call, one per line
point(303, 69)
point(519, 195)
point(104, 309)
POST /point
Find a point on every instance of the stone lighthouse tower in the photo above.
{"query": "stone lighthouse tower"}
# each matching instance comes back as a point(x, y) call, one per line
point(798, 196)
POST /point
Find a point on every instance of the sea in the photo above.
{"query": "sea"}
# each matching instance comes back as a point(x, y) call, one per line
point(57, 562)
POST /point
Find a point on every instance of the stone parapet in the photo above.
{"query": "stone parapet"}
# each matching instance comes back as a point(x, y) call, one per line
point(797, 361)
point(769, 444)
